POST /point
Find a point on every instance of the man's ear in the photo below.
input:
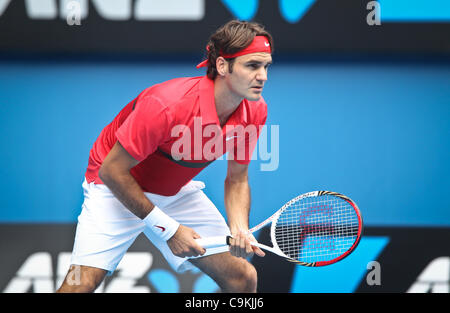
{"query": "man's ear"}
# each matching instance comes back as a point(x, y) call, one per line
point(221, 66)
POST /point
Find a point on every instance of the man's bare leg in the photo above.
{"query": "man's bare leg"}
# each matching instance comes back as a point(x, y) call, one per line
point(231, 273)
point(82, 279)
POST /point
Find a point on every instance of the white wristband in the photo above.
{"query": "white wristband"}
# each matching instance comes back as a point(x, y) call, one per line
point(161, 224)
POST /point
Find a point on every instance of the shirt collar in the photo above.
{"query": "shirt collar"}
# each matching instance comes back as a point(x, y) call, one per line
point(208, 105)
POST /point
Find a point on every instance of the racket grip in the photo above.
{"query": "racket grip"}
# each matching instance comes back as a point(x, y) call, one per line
point(211, 242)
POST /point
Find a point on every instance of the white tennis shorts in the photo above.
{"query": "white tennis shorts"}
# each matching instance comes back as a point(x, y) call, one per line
point(106, 228)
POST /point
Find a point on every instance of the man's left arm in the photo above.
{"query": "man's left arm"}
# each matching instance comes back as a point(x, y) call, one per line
point(237, 204)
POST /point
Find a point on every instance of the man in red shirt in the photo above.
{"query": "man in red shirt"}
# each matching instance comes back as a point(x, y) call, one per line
point(140, 171)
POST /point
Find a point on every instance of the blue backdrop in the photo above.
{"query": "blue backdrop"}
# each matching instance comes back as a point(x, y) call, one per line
point(376, 131)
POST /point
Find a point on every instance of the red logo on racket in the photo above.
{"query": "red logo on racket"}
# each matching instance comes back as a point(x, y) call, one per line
point(162, 228)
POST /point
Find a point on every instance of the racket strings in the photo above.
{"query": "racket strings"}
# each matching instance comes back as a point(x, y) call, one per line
point(317, 229)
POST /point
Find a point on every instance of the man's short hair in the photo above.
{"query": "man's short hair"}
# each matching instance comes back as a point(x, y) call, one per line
point(231, 38)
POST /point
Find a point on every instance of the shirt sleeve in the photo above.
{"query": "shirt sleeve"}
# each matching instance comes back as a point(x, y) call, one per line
point(243, 149)
point(145, 128)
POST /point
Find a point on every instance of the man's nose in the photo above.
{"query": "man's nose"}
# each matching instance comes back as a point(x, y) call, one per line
point(262, 74)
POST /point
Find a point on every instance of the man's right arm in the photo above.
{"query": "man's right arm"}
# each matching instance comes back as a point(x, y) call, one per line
point(115, 173)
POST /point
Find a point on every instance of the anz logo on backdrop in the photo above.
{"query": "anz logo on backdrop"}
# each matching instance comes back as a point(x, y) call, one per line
point(291, 11)
point(144, 10)
point(133, 274)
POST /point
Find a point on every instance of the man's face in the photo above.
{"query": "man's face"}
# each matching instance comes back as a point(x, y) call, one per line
point(249, 75)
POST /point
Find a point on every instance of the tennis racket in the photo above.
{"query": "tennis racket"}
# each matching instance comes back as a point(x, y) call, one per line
point(314, 229)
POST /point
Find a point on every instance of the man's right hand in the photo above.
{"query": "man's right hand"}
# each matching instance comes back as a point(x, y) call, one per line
point(183, 243)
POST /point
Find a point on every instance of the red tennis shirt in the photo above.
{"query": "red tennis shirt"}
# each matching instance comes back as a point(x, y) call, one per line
point(174, 132)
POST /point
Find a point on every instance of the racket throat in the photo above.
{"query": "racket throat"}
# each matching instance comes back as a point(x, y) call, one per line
point(270, 249)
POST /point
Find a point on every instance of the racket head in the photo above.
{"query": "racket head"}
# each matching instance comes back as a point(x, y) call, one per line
point(317, 228)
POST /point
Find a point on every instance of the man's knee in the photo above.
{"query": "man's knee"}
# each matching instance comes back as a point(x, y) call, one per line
point(251, 279)
point(244, 280)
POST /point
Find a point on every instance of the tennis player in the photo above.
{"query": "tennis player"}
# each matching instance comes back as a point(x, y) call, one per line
point(139, 176)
